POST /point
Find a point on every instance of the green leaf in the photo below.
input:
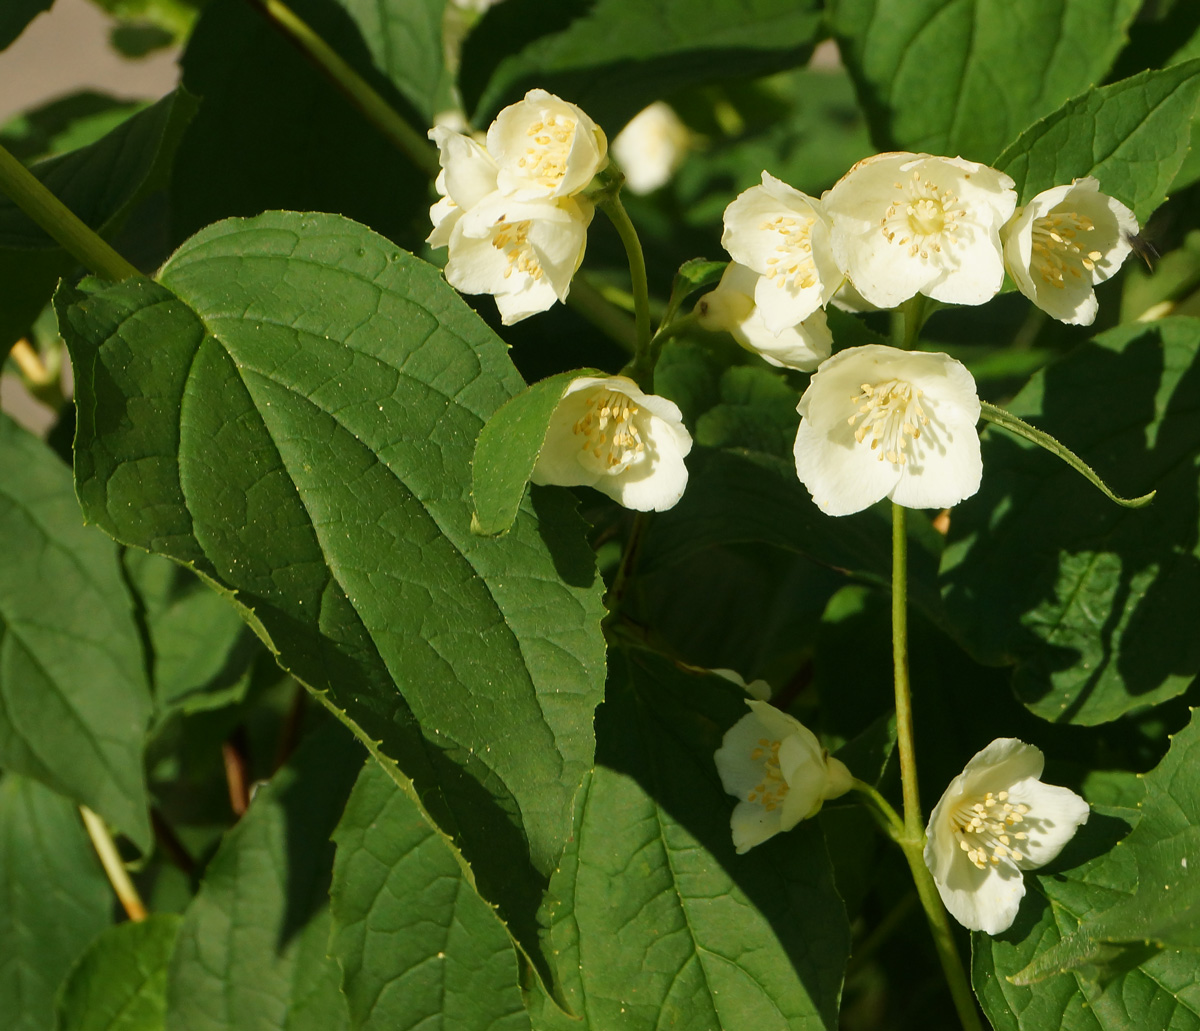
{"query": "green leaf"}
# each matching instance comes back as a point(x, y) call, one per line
point(292, 412)
point(120, 983)
point(1164, 909)
point(74, 702)
point(416, 943)
point(508, 449)
point(406, 44)
point(16, 15)
point(1132, 136)
point(56, 899)
point(1098, 621)
point(251, 951)
point(964, 78)
point(100, 183)
point(201, 650)
point(653, 920)
point(273, 132)
point(65, 124)
point(756, 410)
point(739, 496)
point(614, 57)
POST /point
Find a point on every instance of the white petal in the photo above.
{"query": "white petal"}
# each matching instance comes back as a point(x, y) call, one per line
point(535, 161)
point(738, 771)
point(752, 825)
point(981, 900)
point(842, 476)
point(1055, 814)
point(651, 147)
point(468, 172)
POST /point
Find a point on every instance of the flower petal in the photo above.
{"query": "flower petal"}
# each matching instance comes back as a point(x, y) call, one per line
point(1055, 814)
point(981, 900)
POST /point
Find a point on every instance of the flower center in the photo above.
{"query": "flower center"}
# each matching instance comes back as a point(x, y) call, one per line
point(892, 417)
point(512, 238)
point(1057, 252)
point(793, 262)
point(546, 159)
point(923, 218)
point(610, 435)
point(772, 789)
point(985, 829)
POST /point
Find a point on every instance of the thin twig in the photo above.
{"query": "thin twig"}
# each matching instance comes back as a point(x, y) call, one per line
point(113, 865)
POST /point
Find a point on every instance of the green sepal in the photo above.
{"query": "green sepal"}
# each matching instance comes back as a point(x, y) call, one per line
point(1010, 422)
point(508, 449)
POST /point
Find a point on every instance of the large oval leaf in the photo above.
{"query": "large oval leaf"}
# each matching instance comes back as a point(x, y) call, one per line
point(74, 701)
point(292, 411)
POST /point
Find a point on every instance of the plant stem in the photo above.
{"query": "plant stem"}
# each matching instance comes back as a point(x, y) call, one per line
point(110, 859)
point(602, 313)
point(904, 720)
point(641, 368)
point(911, 840)
point(28, 194)
point(377, 110)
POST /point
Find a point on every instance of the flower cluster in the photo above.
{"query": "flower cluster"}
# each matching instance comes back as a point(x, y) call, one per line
point(512, 212)
point(877, 421)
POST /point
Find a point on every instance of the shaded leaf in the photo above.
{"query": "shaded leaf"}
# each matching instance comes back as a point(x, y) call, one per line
point(74, 702)
point(300, 402)
point(251, 951)
point(1097, 623)
point(654, 921)
point(417, 945)
point(120, 983)
point(955, 78)
point(65, 124)
point(100, 183)
point(508, 449)
point(614, 57)
point(56, 899)
point(1132, 136)
point(16, 15)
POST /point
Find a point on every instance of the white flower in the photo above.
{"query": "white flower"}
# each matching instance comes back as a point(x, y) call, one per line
point(651, 147)
point(880, 422)
point(995, 820)
point(545, 147)
point(605, 433)
point(1062, 243)
point(783, 235)
point(905, 224)
point(779, 772)
point(522, 252)
point(730, 307)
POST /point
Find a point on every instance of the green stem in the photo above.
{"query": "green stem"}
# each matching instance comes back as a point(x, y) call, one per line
point(641, 368)
point(943, 938)
point(611, 320)
point(377, 110)
point(912, 838)
point(28, 194)
point(904, 720)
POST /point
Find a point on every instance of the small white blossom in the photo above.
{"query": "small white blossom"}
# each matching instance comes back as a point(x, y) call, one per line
point(779, 772)
point(878, 422)
point(605, 433)
point(783, 235)
point(651, 147)
point(905, 224)
point(995, 820)
point(524, 253)
point(545, 147)
point(1062, 243)
point(730, 307)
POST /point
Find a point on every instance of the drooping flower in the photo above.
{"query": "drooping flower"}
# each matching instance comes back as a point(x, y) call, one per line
point(904, 224)
point(606, 433)
point(996, 820)
point(1065, 241)
point(779, 772)
point(651, 147)
point(878, 422)
point(730, 307)
point(522, 252)
point(545, 147)
point(783, 235)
